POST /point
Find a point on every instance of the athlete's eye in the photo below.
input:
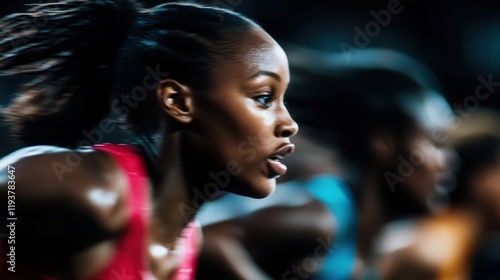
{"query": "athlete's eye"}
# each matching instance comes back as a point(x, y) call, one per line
point(264, 100)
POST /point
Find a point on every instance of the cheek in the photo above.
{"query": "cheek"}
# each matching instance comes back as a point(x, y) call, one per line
point(251, 126)
point(417, 160)
point(221, 121)
point(237, 133)
point(431, 160)
point(424, 159)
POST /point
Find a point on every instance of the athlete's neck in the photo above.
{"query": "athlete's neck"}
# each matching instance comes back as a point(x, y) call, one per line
point(173, 206)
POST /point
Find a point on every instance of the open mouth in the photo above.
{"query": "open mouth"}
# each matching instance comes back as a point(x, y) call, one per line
point(445, 184)
point(274, 161)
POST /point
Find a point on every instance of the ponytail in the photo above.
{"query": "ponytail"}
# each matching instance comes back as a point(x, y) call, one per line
point(70, 48)
point(85, 53)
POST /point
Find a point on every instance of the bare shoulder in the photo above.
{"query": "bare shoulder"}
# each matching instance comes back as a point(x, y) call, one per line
point(432, 246)
point(83, 178)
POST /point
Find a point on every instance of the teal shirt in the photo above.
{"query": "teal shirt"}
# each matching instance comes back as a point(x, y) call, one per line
point(337, 197)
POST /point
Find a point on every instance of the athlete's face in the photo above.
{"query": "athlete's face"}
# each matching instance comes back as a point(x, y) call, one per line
point(425, 164)
point(243, 126)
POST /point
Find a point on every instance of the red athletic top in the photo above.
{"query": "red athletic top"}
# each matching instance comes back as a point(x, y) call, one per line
point(130, 259)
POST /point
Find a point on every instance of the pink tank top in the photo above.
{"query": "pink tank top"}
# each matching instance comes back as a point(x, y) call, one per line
point(130, 259)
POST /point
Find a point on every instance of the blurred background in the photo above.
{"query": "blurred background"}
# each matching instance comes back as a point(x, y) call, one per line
point(458, 41)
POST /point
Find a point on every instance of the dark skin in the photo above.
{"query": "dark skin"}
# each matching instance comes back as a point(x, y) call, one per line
point(245, 100)
point(266, 243)
point(282, 236)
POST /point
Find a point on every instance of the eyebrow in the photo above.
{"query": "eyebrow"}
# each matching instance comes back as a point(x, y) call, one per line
point(266, 73)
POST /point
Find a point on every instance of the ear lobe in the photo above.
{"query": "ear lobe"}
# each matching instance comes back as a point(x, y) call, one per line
point(383, 146)
point(175, 100)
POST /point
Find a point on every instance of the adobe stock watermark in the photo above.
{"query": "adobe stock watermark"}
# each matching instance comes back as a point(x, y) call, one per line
point(121, 106)
point(11, 219)
point(310, 265)
point(364, 35)
point(483, 91)
point(407, 166)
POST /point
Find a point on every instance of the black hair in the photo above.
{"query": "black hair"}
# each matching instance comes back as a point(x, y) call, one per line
point(91, 58)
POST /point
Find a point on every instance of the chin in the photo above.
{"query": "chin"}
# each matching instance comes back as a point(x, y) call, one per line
point(267, 191)
point(255, 189)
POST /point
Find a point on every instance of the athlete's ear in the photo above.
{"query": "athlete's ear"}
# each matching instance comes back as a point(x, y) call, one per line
point(383, 147)
point(176, 100)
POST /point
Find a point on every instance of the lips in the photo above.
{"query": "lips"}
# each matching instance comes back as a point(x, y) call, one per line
point(274, 161)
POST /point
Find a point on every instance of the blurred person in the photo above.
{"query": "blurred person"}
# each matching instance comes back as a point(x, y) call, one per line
point(444, 245)
point(190, 84)
point(367, 154)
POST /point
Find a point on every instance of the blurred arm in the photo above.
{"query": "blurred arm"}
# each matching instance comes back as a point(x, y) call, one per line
point(62, 201)
point(265, 243)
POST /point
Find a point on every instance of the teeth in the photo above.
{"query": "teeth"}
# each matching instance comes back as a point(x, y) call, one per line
point(277, 157)
point(284, 153)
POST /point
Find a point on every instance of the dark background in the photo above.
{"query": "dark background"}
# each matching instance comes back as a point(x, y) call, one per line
point(458, 41)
